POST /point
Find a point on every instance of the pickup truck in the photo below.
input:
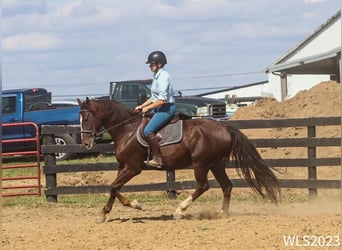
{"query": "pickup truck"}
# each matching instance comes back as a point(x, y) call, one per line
point(34, 105)
point(134, 92)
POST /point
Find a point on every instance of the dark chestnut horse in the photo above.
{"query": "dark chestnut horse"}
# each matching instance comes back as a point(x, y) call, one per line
point(206, 145)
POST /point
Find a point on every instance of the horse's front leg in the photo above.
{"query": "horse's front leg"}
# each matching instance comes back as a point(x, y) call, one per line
point(126, 202)
point(124, 176)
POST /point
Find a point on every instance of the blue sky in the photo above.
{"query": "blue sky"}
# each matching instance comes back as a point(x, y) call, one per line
point(76, 47)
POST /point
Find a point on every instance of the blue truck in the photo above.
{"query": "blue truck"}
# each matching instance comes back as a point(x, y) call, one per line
point(34, 105)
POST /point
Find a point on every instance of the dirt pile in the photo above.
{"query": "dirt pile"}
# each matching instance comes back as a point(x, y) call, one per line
point(322, 100)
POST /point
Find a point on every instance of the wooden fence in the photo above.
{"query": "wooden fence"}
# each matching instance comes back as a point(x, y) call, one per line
point(311, 142)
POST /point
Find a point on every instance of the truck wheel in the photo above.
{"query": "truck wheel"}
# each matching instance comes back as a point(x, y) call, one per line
point(64, 139)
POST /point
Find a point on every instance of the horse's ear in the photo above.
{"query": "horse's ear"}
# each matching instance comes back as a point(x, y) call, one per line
point(79, 101)
point(87, 100)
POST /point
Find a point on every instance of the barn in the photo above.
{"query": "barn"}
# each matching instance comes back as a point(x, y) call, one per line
point(312, 61)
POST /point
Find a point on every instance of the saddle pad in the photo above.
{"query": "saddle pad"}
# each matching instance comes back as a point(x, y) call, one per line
point(171, 133)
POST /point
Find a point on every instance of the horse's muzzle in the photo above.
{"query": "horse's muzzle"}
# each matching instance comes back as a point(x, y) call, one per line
point(88, 143)
point(88, 138)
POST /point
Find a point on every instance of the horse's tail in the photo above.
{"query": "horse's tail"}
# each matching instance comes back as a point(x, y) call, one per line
point(248, 161)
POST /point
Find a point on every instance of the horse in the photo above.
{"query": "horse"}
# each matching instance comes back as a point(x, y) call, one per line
point(207, 145)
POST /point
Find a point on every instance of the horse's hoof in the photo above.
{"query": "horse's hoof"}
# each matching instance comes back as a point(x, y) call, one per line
point(224, 213)
point(100, 219)
point(178, 215)
point(136, 205)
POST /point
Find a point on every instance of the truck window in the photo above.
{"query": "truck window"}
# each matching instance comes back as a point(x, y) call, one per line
point(130, 91)
point(8, 104)
point(35, 95)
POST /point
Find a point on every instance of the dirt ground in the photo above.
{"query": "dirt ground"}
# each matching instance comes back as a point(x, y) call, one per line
point(252, 224)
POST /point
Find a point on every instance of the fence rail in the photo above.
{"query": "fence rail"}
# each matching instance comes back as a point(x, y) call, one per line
point(310, 142)
point(31, 188)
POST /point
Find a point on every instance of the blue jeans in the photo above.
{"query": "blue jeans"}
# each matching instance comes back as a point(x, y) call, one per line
point(162, 115)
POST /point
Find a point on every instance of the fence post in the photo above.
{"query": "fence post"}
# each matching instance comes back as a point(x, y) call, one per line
point(312, 170)
point(170, 180)
point(50, 159)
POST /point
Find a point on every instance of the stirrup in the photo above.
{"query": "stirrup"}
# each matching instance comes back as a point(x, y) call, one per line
point(155, 162)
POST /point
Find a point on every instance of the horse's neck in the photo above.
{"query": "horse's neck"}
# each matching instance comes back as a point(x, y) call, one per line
point(121, 130)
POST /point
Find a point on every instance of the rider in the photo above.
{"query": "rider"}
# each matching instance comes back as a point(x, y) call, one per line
point(161, 102)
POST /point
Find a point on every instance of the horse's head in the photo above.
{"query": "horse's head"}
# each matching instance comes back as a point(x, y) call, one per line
point(90, 121)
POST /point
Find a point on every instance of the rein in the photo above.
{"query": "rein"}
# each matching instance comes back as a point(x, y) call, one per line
point(98, 133)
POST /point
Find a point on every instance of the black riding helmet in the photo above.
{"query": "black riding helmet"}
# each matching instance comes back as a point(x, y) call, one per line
point(156, 57)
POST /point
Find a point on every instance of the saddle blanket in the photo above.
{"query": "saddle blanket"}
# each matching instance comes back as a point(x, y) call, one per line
point(170, 134)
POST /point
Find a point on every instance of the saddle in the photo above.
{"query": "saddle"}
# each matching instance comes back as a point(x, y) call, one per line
point(169, 134)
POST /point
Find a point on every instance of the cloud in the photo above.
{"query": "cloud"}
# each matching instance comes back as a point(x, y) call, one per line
point(314, 1)
point(77, 41)
point(30, 42)
point(79, 8)
point(19, 7)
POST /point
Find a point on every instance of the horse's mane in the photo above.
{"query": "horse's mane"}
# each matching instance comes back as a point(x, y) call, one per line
point(115, 108)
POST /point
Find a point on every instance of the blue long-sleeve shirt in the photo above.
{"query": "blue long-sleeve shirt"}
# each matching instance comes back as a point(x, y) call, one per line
point(162, 88)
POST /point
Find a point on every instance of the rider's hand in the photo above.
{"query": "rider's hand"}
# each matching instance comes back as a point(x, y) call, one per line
point(138, 108)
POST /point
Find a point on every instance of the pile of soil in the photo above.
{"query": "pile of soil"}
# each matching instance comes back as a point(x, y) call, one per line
point(322, 100)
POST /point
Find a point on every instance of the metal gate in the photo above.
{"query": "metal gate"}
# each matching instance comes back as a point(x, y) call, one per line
point(29, 182)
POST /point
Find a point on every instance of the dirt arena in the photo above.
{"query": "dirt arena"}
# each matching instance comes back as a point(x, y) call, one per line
point(252, 224)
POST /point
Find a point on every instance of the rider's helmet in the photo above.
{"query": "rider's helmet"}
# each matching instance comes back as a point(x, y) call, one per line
point(157, 57)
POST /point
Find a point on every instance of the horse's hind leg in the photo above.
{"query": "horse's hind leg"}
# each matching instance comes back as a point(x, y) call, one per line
point(226, 185)
point(202, 185)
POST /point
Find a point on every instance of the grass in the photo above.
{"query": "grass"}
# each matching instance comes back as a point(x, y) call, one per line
point(22, 200)
point(154, 198)
point(92, 158)
point(213, 195)
point(10, 161)
point(13, 161)
point(17, 172)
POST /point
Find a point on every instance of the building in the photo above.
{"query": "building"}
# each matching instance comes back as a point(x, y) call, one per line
point(314, 60)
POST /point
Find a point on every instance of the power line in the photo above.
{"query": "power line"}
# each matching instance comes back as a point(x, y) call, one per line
point(222, 87)
point(175, 78)
point(218, 75)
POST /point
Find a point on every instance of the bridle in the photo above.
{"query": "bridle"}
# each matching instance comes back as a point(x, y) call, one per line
point(92, 132)
point(95, 133)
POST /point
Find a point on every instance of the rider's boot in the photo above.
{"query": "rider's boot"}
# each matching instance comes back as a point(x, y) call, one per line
point(156, 161)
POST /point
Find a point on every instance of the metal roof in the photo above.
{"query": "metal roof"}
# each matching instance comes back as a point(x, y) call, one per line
point(324, 63)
